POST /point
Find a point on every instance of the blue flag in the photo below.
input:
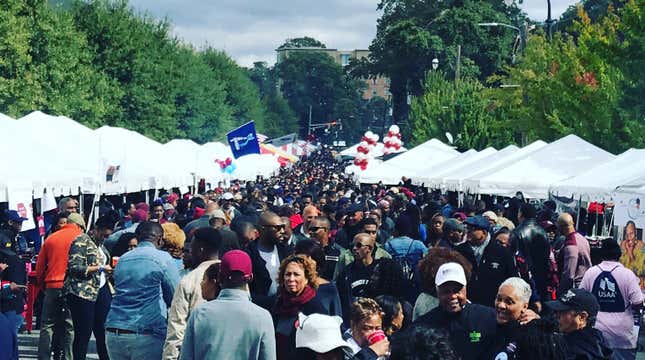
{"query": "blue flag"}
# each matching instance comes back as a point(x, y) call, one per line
point(243, 140)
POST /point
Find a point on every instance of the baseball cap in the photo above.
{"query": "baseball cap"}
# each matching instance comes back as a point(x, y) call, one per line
point(218, 214)
point(235, 260)
point(450, 272)
point(576, 299)
point(459, 216)
point(478, 222)
point(453, 225)
point(227, 196)
point(490, 215)
point(320, 333)
point(76, 218)
point(14, 216)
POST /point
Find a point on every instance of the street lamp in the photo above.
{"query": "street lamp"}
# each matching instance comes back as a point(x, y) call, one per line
point(518, 38)
point(435, 64)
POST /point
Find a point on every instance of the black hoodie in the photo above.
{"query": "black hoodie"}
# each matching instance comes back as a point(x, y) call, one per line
point(586, 344)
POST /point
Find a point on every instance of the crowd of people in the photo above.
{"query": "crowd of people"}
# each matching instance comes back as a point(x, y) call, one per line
point(308, 264)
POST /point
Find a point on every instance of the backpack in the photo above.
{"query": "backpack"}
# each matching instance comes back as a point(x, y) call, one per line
point(404, 263)
point(606, 290)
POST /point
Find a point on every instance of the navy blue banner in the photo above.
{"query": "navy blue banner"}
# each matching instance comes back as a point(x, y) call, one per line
point(243, 140)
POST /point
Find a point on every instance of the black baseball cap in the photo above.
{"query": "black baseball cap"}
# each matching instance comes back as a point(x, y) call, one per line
point(578, 300)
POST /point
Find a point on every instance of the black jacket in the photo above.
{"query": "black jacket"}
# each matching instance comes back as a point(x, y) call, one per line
point(532, 242)
point(16, 272)
point(586, 344)
point(496, 266)
point(261, 283)
point(472, 331)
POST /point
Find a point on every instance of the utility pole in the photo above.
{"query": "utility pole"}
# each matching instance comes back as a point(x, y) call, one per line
point(309, 127)
point(549, 21)
point(458, 70)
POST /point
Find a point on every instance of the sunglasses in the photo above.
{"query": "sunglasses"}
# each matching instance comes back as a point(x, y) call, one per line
point(277, 227)
point(316, 228)
point(360, 245)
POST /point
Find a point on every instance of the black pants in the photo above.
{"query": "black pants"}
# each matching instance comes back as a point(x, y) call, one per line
point(88, 317)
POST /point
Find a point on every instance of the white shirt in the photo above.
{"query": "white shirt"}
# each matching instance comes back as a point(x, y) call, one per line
point(273, 267)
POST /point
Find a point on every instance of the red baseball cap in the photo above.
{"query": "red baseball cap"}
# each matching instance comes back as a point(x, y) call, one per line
point(235, 260)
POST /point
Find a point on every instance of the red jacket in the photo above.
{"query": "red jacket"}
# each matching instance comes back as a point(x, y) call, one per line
point(53, 256)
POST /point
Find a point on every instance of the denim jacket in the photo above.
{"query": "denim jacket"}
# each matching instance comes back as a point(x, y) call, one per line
point(145, 280)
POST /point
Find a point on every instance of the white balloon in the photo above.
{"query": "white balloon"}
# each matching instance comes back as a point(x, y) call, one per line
point(375, 137)
point(395, 129)
point(369, 134)
point(363, 143)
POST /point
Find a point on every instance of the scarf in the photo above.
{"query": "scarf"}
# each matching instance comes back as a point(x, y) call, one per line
point(289, 304)
point(479, 250)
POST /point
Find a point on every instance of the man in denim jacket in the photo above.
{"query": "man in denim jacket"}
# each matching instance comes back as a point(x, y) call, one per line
point(145, 280)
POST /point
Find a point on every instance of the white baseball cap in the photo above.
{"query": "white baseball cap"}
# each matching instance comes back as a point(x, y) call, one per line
point(227, 196)
point(320, 333)
point(450, 272)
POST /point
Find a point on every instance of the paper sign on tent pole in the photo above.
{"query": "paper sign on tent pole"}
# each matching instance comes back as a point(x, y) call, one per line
point(21, 200)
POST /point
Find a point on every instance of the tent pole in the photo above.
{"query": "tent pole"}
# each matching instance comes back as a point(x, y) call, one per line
point(578, 213)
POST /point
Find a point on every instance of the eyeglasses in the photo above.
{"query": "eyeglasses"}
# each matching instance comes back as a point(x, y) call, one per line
point(277, 227)
point(360, 245)
point(316, 228)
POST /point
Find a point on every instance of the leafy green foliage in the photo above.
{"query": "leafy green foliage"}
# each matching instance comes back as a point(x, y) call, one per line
point(302, 42)
point(101, 63)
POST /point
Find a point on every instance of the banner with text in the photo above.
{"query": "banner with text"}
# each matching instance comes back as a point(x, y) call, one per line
point(243, 140)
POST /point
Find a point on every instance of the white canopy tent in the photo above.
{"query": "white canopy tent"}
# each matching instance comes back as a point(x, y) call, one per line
point(406, 164)
point(453, 180)
point(142, 162)
point(534, 173)
point(434, 178)
point(54, 153)
point(470, 183)
point(598, 183)
point(636, 186)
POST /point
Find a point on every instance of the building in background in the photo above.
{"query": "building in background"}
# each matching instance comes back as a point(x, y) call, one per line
point(378, 87)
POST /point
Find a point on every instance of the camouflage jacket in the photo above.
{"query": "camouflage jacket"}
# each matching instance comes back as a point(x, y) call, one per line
point(83, 253)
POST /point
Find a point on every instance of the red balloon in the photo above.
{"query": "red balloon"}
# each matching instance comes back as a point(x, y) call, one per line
point(363, 167)
point(357, 162)
point(397, 146)
point(229, 161)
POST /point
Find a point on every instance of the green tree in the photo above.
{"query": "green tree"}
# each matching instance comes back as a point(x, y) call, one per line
point(241, 93)
point(138, 53)
point(413, 32)
point(461, 108)
point(313, 81)
point(301, 42)
point(567, 87)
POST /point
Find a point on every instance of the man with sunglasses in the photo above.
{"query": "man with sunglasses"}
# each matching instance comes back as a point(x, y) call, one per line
point(319, 231)
point(353, 280)
point(266, 254)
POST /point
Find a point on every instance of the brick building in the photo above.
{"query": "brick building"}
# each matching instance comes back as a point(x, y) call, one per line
point(375, 87)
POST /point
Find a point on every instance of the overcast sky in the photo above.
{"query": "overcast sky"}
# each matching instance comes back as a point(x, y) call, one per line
point(250, 30)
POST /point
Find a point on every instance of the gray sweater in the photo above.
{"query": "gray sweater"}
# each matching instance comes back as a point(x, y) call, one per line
point(229, 327)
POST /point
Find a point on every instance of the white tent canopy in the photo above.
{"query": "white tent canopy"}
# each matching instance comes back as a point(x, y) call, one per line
point(534, 173)
point(471, 182)
point(636, 186)
point(453, 180)
point(434, 178)
point(61, 156)
point(390, 172)
point(599, 182)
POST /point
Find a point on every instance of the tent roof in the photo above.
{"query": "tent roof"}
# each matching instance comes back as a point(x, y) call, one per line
point(433, 178)
point(599, 182)
point(406, 164)
point(534, 173)
point(471, 182)
point(453, 181)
